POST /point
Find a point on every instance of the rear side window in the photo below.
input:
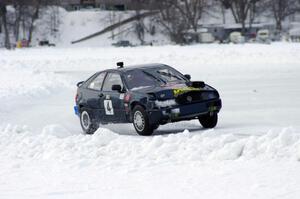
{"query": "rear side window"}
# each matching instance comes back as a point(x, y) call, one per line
point(112, 79)
point(96, 84)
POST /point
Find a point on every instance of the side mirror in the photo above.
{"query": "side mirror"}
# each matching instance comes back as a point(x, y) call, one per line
point(79, 83)
point(187, 76)
point(116, 87)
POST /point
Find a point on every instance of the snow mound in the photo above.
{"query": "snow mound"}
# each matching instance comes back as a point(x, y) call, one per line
point(56, 130)
point(105, 147)
point(19, 79)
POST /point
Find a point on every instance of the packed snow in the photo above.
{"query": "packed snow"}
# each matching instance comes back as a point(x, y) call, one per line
point(254, 152)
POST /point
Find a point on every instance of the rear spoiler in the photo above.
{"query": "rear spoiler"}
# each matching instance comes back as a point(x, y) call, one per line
point(79, 83)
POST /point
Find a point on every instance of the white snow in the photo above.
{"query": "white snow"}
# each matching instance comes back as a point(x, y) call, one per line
point(254, 152)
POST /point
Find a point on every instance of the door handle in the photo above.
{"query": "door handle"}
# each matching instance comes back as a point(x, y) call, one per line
point(101, 95)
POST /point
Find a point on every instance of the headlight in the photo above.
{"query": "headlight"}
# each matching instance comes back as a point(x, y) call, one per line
point(211, 95)
point(165, 103)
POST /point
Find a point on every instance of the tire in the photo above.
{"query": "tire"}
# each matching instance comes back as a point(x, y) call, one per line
point(141, 122)
point(209, 121)
point(87, 122)
point(155, 126)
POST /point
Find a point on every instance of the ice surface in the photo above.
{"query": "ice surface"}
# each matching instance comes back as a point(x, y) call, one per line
point(254, 152)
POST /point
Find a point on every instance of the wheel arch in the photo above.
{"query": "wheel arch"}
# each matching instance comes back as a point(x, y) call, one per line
point(80, 106)
point(135, 103)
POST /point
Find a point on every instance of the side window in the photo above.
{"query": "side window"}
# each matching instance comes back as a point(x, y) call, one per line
point(112, 79)
point(96, 84)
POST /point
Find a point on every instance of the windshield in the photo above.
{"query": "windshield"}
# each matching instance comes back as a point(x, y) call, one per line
point(167, 74)
point(141, 78)
point(136, 79)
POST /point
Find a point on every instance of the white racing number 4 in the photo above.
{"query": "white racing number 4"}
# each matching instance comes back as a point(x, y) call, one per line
point(109, 110)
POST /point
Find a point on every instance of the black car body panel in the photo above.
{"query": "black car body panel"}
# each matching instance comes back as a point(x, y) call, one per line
point(148, 86)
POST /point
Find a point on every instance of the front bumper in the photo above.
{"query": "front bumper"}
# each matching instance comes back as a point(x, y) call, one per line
point(184, 112)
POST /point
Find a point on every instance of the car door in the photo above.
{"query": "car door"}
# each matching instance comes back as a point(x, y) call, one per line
point(95, 95)
point(113, 104)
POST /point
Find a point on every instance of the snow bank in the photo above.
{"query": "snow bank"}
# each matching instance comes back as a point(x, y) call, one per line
point(105, 147)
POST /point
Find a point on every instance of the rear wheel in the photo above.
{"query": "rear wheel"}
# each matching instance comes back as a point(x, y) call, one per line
point(87, 123)
point(209, 121)
point(141, 121)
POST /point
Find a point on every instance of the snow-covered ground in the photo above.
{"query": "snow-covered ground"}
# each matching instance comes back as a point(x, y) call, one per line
point(254, 152)
point(75, 25)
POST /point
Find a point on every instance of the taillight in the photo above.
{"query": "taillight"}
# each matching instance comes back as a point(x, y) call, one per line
point(127, 97)
point(76, 97)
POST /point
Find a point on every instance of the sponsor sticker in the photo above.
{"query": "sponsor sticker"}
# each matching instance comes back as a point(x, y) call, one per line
point(109, 109)
point(180, 91)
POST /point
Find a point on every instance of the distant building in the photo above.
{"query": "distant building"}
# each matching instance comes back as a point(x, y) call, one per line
point(110, 4)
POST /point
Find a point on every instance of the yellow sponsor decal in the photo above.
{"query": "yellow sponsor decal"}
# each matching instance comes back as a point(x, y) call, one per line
point(180, 91)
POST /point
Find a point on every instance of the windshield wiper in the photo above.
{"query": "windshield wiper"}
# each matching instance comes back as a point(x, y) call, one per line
point(153, 76)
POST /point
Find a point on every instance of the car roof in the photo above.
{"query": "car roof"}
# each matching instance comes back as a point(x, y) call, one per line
point(132, 67)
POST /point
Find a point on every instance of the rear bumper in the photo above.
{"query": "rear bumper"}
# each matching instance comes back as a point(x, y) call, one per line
point(184, 112)
point(76, 111)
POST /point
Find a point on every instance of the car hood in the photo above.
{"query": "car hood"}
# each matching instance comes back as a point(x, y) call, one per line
point(170, 91)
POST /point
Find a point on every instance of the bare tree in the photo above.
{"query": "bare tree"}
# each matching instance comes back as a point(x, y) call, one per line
point(179, 16)
point(3, 15)
point(192, 10)
point(21, 21)
point(173, 23)
point(17, 18)
point(241, 9)
point(139, 26)
point(140, 29)
point(33, 14)
point(281, 9)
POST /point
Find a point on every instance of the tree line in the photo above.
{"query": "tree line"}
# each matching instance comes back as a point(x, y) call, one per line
point(175, 16)
point(179, 16)
point(20, 21)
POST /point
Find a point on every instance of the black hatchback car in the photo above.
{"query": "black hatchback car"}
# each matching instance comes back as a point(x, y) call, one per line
point(145, 95)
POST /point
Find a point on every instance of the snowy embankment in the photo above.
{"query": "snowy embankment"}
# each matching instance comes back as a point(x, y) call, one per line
point(253, 153)
point(75, 25)
point(107, 148)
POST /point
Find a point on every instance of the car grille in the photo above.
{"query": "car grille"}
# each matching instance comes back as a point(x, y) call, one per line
point(192, 97)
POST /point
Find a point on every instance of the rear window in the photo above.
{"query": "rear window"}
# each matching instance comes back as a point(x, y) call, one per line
point(169, 75)
point(96, 84)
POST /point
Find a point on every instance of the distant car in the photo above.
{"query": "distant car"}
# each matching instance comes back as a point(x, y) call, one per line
point(122, 43)
point(263, 36)
point(46, 43)
point(206, 37)
point(236, 38)
point(145, 95)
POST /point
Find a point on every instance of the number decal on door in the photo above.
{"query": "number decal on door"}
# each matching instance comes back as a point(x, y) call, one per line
point(109, 110)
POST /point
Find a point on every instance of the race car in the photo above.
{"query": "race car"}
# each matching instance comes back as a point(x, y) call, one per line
point(146, 95)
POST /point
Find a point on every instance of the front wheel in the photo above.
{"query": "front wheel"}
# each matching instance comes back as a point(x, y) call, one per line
point(209, 121)
point(141, 121)
point(86, 121)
